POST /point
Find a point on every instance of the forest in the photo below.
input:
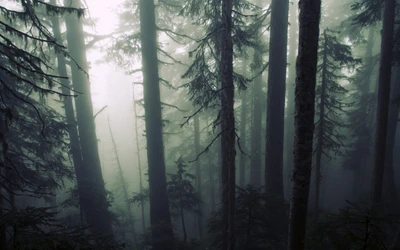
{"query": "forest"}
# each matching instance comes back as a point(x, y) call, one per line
point(199, 124)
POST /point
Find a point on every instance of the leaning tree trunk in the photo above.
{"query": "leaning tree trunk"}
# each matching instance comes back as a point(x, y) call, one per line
point(227, 128)
point(320, 132)
point(75, 148)
point(122, 182)
point(306, 71)
point(290, 99)
point(382, 110)
point(160, 219)
point(94, 198)
point(276, 99)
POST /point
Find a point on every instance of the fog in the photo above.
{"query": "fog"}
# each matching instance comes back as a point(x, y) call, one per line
point(173, 124)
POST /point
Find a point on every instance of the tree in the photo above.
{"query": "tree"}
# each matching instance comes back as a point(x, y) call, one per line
point(160, 219)
point(306, 70)
point(334, 57)
point(289, 122)
point(276, 99)
point(228, 135)
point(383, 101)
point(198, 173)
point(94, 200)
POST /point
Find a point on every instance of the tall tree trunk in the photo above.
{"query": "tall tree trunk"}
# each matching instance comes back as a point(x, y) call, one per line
point(94, 198)
point(138, 159)
point(243, 126)
point(227, 128)
point(289, 123)
point(75, 148)
point(383, 101)
point(320, 132)
point(163, 237)
point(255, 154)
point(198, 174)
point(122, 182)
point(276, 99)
point(306, 71)
point(389, 186)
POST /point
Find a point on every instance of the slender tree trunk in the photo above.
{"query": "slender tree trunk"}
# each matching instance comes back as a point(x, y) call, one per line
point(75, 148)
point(389, 186)
point(320, 132)
point(211, 174)
point(255, 160)
point(183, 225)
point(94, 198)
point(383, 101)
point(138, 159)
point(163, 237)
point(122, 182)
point(228, 149)
point(198, 174)
point(276, 99)
point(289, 123)
point(306, 71)
point(243, 126)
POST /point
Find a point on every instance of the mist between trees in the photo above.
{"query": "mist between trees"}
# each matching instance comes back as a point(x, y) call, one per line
point(199, 124)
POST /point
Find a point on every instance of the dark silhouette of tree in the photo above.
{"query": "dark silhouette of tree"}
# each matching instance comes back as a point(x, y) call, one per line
point(383, 101)
point(276, 99)
point(332, 103)
point(94, 199)
point(306, 74)
point(160, 219)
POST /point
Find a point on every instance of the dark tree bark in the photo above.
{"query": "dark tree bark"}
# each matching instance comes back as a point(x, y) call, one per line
point(389, 186)
point(320, 132)
point(75, 148)
point(160, 219)
point(228, 149)
point(383, 101)
point(243, 126)
point(306, 70)
point(276, 99)
point(198, 174)
point(289, 122)
point(94, 198)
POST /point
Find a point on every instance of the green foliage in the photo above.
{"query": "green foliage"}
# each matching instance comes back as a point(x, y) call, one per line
point(181, 192)
point(257, 221)
point(356, 227)
point(335, 64)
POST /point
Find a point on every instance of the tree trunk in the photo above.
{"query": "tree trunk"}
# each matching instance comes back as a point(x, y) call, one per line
point(75, 148)
point(276, 99)
point(243, 126)
point(320, 132)
point(389, 185)
point(255, 160)
point(163, 237)
point(138, 159)
point(122, 182)
point(198, 174)
point(94, 198)
point(183, 225)
point(289, 123)
point(383, 101)
point(227, 128)
point(306, 70)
